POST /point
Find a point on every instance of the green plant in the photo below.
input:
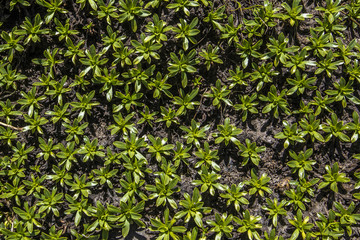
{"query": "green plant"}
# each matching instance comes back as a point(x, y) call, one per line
point(90, 149)
point(301, 163)
point(52, 7)
point(186, 31)
point(249, 224)
point(333, 177)
point(181, 154)
point(185, 101)
point(53, 234)
point(106, 11)
point(145, 50)
point(216, 15)
point(343, 90)
point(158, 148)
point(103, 175)
point(293, 12)
point(59, 90)
point(195, 133)
point(20, 152)
point(300, 83)
point(166, 229)
point(131, 188)
point(347, 216)
point(319, 44)
point(104, 219)
point(222, 225)
point(321, 103)
point(8, 135)
point(160, 86)
point(30, 101)
point(67, 154)
point(275, 209)
point(329, 227)
point(210, 56)
point(32, 30)
point(35, 185)
point(75, 130)
point(302, 226)
point(92, 3)
point(238, 77)
point(306, 186)
point(193, 208)
point(12, 4)
point(279, 49)
point(272, 235)
point(353, 126)
point(250, 152)
point(207, 157)
point(12, 44)
point(235, 196)
point(129, 213)
point(310, 125)
point(258, 185)
point(326, 64)
point(137, 167)
point(183, 5)
point(14, 190)
point(227, 133)
point(48, 201)
point(168, 116)
point(157, 29)
point(112, 40)
point(346, 52)
point(163, 189)
point(93, 61)
point(29, 216)
point(298, 61)
point(138, 76)
point(9, 77)
point(63, 30)
point(122, 55)
point(74, 51)
point(219, 94)
point(230, 31)
point(297, 198)
point(131, 145)
point(247, 105)
point(8, 110)
point(330, 24)
point(129, 9)
point(124, 125)
point(247, 49)
point(208, 181)
point(60, 175)
point(80, 186)
point(290, 133)
point(110, 81)
point(49, 62)
point(84, 105)
point(335, 128)
point(78, 208)
point(60, 113)
point(183, 65)
point(263, 74)
point(276, 101)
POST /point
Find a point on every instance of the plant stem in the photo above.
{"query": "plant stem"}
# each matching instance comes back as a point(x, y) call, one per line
point(7, 125)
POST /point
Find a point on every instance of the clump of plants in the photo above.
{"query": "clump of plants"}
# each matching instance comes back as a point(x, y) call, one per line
point(179, 119)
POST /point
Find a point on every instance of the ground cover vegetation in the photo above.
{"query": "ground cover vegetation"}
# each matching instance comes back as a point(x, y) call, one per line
point(179, 119)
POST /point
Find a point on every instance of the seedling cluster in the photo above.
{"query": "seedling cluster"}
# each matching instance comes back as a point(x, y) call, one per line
point(179, 119)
